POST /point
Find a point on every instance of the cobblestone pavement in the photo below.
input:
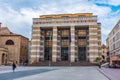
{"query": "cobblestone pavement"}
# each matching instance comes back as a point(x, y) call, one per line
point(52, 73)
point(111, 73)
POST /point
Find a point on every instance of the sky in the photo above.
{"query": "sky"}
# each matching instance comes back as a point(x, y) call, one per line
point(17, 14)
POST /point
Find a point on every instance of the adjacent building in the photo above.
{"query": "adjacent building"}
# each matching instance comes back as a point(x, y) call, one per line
point(107, 45)
point(65, 37)
point(13, 47)
point(104, 50)
point(113, 42)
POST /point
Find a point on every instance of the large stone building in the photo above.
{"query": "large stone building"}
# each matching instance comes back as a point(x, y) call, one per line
point(13, 47)
point(113, 42)
point(66, 37)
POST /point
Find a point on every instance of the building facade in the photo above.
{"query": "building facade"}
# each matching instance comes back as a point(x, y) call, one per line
point(104, 50)
point(113, 42)
point(13, 47)
point(65, 37)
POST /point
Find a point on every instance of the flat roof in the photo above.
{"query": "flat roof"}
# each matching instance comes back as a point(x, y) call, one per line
point(67, 15)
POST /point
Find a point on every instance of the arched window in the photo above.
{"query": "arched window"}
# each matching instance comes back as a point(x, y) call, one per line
point(9, 42)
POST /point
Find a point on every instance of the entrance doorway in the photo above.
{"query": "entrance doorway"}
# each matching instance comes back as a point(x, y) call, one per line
point(3, 58)
point(48, 54)
point(64, 54)
point(82, 53)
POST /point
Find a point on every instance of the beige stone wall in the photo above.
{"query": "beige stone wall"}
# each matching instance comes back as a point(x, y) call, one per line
point(104, 52)
point(94, 47)
point(3, 59)
point(4, 30)
point(14, 50)
point(23, 50)
point(99, 38)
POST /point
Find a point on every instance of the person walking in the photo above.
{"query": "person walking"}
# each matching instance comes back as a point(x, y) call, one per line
point(99, 64)
point(13, 66)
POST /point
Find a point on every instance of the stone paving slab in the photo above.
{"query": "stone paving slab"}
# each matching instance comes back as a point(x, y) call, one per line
point(54, 73)
point(111, 73)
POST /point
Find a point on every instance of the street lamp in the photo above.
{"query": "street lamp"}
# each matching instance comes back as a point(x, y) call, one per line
point(50, 51)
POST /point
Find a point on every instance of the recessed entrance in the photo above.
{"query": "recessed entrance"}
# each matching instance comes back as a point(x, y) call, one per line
point(64, 54)
point(48, 54)
point(82, 53)
point(3, 58)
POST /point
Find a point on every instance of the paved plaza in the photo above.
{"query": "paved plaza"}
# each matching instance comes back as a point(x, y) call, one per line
point(111, 73)
point(54, 73)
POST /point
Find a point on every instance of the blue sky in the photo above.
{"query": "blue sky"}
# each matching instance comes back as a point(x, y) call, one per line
point(17, 14)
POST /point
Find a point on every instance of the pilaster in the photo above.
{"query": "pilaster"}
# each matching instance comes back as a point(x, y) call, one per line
point(54, 46)
point(72, 44)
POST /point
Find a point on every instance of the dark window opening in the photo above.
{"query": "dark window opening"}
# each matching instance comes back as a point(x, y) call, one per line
point(9, 42)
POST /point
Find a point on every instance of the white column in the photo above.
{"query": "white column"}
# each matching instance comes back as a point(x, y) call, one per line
point(35, 46)
point(72, 44)
point(54, 44)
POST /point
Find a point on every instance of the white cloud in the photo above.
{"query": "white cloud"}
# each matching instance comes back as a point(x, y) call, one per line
point(21, 21)
point(109, 2)
point(15, 21)
point(114, 2)
point(88, 8)
point(108, 23)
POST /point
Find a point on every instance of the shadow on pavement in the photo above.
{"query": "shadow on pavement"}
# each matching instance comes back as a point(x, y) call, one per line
point(19, 74)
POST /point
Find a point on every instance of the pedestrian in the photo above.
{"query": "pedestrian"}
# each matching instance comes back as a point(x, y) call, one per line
point(13, 66)
point(99, 64)
point(116, 65)
point(109, 65)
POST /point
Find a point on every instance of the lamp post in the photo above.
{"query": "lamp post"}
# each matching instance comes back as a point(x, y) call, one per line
point(69, 57)
point(50, 48)
point(49, 58)
point(50, 44)
point(70, 48)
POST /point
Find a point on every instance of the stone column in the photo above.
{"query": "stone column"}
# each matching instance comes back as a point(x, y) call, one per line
point(38, 45)
point(93, 43)
point(54, 45)
point(42, 45)
point(35, 45)
point(72, 44)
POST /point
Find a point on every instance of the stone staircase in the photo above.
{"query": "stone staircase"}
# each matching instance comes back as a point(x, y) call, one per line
point(63, 63)
point(45, 63)
point(83, 63)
